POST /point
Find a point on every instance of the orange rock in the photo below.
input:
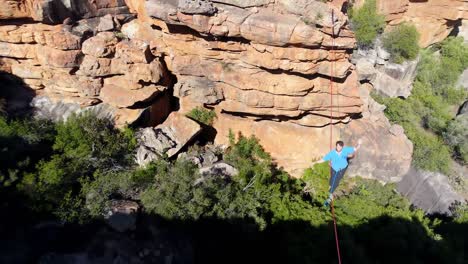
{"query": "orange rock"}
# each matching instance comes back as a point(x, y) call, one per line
point(123, 97)
point(133, 51)
point(100, 46)
point(19, 51)
point(433, 19)
point(58, 58)
point(12, 9)
point(292, 146)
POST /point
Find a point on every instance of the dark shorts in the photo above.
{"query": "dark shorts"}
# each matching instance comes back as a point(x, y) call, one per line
point(335, 178)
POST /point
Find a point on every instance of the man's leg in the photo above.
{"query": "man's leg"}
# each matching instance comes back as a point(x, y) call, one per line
point(334, 182)
point(335, 179)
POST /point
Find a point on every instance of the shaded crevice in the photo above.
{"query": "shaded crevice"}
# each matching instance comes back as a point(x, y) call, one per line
point(283, 118)
point(186, 30)
point(456, 24)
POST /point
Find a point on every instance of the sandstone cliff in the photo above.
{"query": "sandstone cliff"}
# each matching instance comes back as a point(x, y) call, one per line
point(263, 65)
point(434, 19)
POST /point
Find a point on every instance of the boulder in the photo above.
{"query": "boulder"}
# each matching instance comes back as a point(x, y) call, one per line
point(153, 144)
point(430, 191)
point(388, 86)
point(106, 23)
point(133, 51)
point(100, 46)
point(365, 70)
point(58, 58)
point(196, 7)
point(219, 169)
point(166, 139)
point(202, 157)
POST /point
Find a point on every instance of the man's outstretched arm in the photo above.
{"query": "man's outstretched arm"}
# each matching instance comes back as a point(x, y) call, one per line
point(356, 148)
point(359, 142)
point(325, 158)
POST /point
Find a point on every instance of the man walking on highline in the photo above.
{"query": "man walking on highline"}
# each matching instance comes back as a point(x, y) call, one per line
point(339, 163)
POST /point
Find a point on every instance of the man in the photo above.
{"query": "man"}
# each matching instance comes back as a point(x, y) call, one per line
point(339, 163)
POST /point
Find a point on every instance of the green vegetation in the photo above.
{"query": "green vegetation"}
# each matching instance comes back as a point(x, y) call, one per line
point(202, 115)
point(84, 147)
point(366, 23)
point(120, 35)
point(456, 135)
point(426, 114)
point(88, 163)
point(402, 42)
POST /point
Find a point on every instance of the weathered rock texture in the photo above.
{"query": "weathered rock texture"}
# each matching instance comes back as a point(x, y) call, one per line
point(388, 79)
point(56, 11)
point(79, 64)
point(168, 138)
point(265, 67)
point(434, 19)
point(430, 191)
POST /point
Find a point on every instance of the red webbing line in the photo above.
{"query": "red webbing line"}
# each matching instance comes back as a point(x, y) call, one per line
point(332, 63)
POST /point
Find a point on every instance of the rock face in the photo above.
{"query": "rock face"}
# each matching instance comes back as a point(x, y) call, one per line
point(430, 191)
point(377, 134)
point(463, 30)
point(57, 109)
point(463, 80)
point(264, 66)
point(79, 64)
point(388, 79)
point(56, 11)
point(434, 19)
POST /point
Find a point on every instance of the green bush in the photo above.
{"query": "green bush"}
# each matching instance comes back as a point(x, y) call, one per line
point(456, 136)
point(402, 43)
point(173, 194)
point(430, 153)
point(202, 115)
point(366, 23)
point(426, 115)
point(441, 72)
point(89, 164)
point(23, 142)
point(83, 146)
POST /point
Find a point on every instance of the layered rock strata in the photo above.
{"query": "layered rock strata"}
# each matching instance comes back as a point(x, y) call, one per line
point(277, 69)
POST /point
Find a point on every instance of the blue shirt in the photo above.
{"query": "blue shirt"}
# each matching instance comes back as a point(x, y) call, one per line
point(339, 161)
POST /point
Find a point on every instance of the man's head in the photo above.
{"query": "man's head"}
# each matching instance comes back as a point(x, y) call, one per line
point(339, 145)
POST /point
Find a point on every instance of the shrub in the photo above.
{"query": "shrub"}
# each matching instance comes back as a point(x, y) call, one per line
point(402, 42)
point(367, 24)
point(202, 115)
point(426, 115)
point(441, 72)
point(83, 146)
point(456, 136)
point(173, 195)
point(429, 152)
